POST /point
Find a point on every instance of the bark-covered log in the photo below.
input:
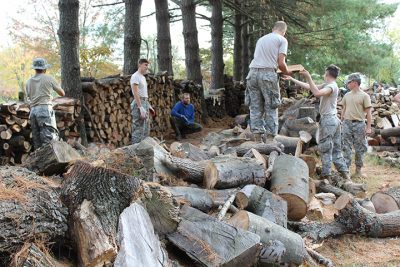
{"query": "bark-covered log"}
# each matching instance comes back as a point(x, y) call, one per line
point(263, 203)
point(30, 208)
point(263, 148)
point(289, 143)
point(186, 169)
point(108, 190)
point(210, 242)
point(139, 245)
point(94, 247)
point(188, 151)
point(199, 198)
point(390, 132)
point(268, 231)
point(32, 255)
point(229, 172)
point(387, 200)
point(290, 181)
point(323, 186)
point(52, 158)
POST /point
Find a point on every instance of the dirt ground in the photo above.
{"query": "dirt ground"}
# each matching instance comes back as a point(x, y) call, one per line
point(348, 250)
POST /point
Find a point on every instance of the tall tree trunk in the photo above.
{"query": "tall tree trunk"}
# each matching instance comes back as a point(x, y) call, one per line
point(192, 56)
point(132, 37)
point(69, 49)
point(252, 40)
point(217, 52)
point(237, 46)
point(245, 50)
point(164, 55)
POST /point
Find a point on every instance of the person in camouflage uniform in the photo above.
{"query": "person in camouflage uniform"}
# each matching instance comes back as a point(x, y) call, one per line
point(329, 141)
point(42, 116)
point(140, 106)
point(262, 89)
point(355, 104)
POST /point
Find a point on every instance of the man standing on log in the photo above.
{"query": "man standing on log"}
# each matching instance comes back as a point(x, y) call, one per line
point(182, 118)
point(42, 116)
point(355, 104)
point(140, 106)
point(330, 144)
point(262, 92)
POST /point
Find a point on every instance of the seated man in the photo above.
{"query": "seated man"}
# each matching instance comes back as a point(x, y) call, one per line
point(182, 118)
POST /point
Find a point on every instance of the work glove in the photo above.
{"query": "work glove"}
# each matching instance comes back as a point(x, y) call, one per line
point(143, 113)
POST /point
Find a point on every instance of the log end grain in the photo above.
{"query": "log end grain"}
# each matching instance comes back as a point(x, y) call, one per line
point(384, 203)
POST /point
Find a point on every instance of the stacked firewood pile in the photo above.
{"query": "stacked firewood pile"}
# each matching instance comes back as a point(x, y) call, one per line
point(15, 132)
point(108, 101)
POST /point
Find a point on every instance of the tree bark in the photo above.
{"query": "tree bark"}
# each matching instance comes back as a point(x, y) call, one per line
point(210, 242)
point(164, 54)
point(263, 203)
point(69, 49)
point(217, 52)
point(228, 172)
point(268, 231)
point(290, 181)
point(289, 143)
point(186, 169)
point(263, 148)
point(132, 36)
point(245, 50)
point(237, 46)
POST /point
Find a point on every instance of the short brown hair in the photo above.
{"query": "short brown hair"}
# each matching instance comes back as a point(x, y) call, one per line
point(333, 70)
point(143, 60)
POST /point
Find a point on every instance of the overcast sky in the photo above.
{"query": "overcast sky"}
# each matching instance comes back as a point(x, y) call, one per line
point(9, 9)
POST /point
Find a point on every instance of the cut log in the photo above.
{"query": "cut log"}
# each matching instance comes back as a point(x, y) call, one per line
point(6, 134)
point(201, 199)
point(387, 200)
point(210, 242)
point(30, 208)
point(311, 162)
point(272, 253)
point(325, 187)
point(305, 112)
point(188, 151)
point(314, 210)
point(161, 207)
point(108, 190)
point(93, 245)
point(268, 231)
point(32, 255)
point(263, 148)
point(263, 203)
point(228, 172)
point(139, 245)
point(52, 158)
point(290, 181)
point(186, 169)
point(390, 132)
point(289, 143)
point(271, 159)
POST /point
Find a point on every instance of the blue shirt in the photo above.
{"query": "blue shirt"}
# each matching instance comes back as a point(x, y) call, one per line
point(181, 109)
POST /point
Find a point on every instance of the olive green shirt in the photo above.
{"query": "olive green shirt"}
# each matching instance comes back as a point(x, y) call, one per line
point(355, 103)
point(39, 87)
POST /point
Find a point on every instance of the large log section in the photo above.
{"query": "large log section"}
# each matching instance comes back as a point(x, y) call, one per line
point(387, 200)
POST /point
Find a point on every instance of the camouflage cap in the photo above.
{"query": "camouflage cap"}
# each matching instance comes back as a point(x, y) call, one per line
point(353, 77)
point(40, 64)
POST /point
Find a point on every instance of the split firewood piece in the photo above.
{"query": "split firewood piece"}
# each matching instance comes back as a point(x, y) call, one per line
point(257, 155)
point(229, 172)
point(33, 255)
point(263, 148)
point(52, 158)
point(225, 207)
point(139, 245)
point(188, 151)
point(30, 208)
point(263, 203)
point(94, 246)
point(386, 200)
point(289, 180)
point(315, 210)
point(326, 198)
point(269, 231)
point(271, 159)
point(199, 198)
point(304, 137)
point(210, 242)
point(109, 192)
point(289, 143)
point(162, 208)
point(311, 162)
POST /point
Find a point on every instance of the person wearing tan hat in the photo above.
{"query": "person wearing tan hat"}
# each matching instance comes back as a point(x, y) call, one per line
point(42, 116)
point(356, 108)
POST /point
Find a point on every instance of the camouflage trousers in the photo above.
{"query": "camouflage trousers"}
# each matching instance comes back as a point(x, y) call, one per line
point(330, 146)
point(140, 127)
point(43, 124)
point(263, 98)
point(353, 134)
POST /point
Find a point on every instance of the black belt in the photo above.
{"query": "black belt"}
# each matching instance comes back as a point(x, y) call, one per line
point(267, 69)
point(355, 120)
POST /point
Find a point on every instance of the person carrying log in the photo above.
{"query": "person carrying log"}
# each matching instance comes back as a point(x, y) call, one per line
point(330, 144)
point(140, 106)
point(262, 90)
point(182, 118)
point(42, 116)
point(355, 104)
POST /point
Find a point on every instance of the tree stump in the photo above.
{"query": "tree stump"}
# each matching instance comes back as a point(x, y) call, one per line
point(210, 242)
point(268, 231)
point(386, 200)
point(263, 203)
point(229, 172)
point(290, 181)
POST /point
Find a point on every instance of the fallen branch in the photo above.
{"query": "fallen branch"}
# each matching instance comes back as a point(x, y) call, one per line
point(225, 207)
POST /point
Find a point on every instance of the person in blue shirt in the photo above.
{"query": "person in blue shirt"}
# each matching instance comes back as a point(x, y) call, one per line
point(182, 118)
